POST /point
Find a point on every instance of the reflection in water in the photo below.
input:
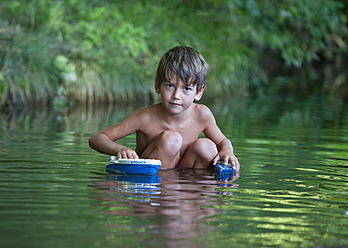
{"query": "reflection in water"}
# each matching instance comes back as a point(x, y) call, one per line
point(293, 191)
point(177, 200)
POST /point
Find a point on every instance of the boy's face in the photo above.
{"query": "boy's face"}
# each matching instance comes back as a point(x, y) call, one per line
point(176, 95)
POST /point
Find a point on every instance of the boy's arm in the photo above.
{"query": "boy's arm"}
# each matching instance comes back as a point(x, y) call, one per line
point(104, 141)
point(224, 145)
point(225, 153)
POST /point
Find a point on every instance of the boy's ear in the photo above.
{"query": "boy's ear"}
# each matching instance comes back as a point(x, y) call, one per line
point(200, 93)
point(157, 86)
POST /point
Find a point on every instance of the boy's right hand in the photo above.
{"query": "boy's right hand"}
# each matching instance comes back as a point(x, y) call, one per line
point(126, 153)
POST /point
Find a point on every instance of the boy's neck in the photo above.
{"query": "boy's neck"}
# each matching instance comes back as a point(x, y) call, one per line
point(175, 117)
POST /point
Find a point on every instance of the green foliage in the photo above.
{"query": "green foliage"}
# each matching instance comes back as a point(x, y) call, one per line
point(100, 50)
point(294, 28)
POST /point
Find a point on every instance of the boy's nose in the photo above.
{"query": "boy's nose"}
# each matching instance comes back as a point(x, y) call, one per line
point(176, 94)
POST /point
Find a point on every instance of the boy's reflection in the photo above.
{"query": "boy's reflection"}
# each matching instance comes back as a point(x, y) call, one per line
point(178, 202)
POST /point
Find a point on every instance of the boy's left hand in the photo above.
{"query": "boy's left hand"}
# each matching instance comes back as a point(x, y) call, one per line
point(227, 157)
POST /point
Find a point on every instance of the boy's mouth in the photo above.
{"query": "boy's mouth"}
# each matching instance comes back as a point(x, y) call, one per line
point(175, 104)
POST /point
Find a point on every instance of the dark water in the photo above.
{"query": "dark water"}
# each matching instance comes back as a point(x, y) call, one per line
point(292, 190)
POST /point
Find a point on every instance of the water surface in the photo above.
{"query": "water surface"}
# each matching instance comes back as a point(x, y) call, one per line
point(292, 190)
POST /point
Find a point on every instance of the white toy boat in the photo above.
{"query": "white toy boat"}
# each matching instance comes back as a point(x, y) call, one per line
point(133, 166)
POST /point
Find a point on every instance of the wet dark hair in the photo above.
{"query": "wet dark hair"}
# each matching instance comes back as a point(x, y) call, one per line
point(184, 62)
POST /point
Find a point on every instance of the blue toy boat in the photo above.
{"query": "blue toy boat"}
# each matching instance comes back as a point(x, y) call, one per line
point(133, 166)
point(223, 172)
point(133, 178)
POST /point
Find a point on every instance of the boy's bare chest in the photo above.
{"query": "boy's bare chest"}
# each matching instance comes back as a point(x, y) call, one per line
point(189, 129)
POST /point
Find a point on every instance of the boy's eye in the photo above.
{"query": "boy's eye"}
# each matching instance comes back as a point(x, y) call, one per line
point(187, 89)
point(169, 86)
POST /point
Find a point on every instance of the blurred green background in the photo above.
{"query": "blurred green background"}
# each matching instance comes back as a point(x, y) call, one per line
point(70, 52)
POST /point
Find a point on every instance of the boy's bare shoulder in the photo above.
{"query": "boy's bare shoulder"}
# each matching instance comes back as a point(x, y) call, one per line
point(203, 112)
point(146, 114)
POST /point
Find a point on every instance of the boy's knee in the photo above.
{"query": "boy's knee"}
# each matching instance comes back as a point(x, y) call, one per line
point(171, 141)
point(203, 144)
point(205, 148)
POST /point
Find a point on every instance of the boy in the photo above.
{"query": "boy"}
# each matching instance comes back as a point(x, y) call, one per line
point(169, 130)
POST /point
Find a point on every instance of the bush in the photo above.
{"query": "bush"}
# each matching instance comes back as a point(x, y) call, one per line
point(111, 48)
